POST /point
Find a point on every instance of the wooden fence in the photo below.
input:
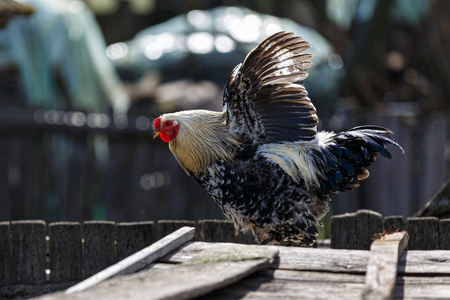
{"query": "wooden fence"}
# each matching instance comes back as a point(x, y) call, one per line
point(356, 230)
point(32, 253)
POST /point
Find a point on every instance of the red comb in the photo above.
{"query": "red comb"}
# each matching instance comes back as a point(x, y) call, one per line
point(157, 124)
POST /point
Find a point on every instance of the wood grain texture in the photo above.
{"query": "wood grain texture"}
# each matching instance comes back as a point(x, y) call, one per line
point(99, 248)
point(422, 287)
point(132, 237)
point(28, 252)
point(429, 263)
point(66, 261)
point(293, 258)
point(5, 254)
point(444, 234)
point(344, 232)
point(368, 223)
point(216, 231)
point(423, 233)
point(290, 284)
point(394, 223)
point(166, 227)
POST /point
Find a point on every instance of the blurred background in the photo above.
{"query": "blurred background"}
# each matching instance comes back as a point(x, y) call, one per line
point(82, 81)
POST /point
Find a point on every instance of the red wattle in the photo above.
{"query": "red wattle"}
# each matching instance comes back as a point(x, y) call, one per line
point(166, 137)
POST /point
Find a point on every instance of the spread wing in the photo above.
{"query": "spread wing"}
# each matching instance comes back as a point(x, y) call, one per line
point(265, 98)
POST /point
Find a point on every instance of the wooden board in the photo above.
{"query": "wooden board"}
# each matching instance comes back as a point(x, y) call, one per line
point(381, 271)
point(294, 258)
point(330, 260)
point(429, 263)
point(290, 284)
point(423, 287)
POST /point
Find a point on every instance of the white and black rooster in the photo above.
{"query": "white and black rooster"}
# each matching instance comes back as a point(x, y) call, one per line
point(261, 159)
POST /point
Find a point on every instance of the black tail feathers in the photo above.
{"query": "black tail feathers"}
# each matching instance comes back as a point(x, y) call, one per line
point(345, 158)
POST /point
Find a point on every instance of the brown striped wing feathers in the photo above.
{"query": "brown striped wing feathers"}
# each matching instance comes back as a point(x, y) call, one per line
point(265, 98)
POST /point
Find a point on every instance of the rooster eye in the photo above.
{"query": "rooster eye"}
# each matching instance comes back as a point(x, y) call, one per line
point(168, 123)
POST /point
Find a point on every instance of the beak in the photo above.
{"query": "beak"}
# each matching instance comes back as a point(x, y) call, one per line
point(155, 134)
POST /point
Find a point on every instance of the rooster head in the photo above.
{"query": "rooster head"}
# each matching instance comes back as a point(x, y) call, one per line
point(167, 129)
point(197, 138)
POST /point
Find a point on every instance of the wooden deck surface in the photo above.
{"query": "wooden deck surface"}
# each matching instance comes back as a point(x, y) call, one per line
point(296, 273)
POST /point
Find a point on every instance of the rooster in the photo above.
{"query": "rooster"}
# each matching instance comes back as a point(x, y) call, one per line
point(261, 158)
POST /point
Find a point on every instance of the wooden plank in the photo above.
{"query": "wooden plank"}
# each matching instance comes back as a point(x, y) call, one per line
point(215, 268)
point(312, 276)
point(344, 232)
point(65, 257)
point(394, 223)
point(132, 237)
point(166, 227)
point(423, 233)
point(216, 231)
point(178, 283)
point(422, 287)
point(293, 258)
point(331, 260)
point(444, 234)
point(288, 284)
point(382, 267)
point(5, 254)
point(138, 260)
point(431, 263)
point(99, 248)
point(28, 247)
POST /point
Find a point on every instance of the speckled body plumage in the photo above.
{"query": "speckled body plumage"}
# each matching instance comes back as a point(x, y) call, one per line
point(259, 196)
point(261, 159)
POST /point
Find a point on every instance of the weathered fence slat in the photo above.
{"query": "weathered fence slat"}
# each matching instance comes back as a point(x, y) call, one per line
point(5, 254)
point(65, 252)
point(355, 230)
point(394, 223)
point(28, 247)
point(216, 231)
point(368, 223)
point(444, 234)
point(140, 259)
point(423, 233)
point(381, 274)
point(132, 237)
point(166, 227)
point(343, 232)
point(99, 248)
